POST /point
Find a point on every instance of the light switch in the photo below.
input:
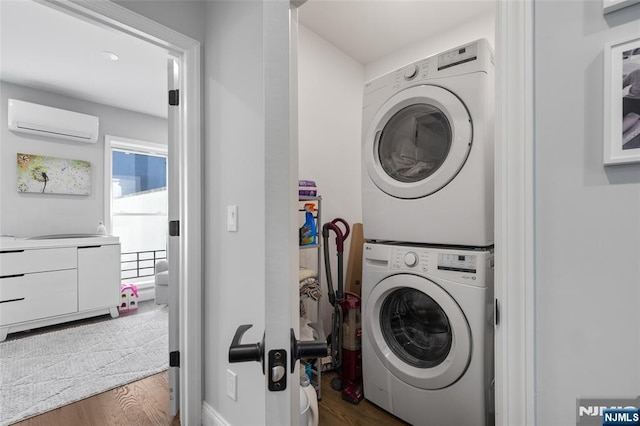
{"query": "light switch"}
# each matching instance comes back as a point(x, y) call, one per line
point(232, 385)
point(232, 218)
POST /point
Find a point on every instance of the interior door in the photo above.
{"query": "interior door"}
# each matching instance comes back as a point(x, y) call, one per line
point(279, 350)
point(281, 156)
point(173, 243)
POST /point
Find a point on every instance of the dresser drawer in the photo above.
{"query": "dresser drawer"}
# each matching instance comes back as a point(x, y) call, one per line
point(38, 260)
point(38, 295)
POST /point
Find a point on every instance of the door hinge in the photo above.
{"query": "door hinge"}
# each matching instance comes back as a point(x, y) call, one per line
point(174, 228)
point(174, 97)
point(174, 359)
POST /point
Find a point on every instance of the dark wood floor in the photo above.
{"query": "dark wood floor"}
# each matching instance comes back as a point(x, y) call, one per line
point(141, 403)
point(335, 411)
point(145, 403)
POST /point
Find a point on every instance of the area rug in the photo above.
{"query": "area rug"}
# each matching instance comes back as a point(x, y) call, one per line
point(46, 371)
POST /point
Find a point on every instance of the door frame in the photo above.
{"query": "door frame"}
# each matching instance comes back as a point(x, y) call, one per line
point(515, 214)
point(188, 53)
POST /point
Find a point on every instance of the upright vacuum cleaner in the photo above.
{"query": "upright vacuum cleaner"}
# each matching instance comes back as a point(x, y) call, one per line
point(346, 329)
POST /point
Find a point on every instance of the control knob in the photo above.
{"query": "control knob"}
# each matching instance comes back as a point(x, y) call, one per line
point(411, 259)
point(410, 71)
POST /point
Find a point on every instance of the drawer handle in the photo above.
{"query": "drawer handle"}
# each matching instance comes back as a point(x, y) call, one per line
point(11, 300)
point(11, 251)
point(12, 276)
point(85, 247)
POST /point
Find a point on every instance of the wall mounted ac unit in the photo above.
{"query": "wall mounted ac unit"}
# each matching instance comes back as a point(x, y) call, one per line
point(51, 122)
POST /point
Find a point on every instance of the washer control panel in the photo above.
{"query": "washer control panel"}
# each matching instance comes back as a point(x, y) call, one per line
point(473, 267)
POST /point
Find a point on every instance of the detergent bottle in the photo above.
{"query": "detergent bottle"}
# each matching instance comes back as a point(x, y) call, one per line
point(308, 230)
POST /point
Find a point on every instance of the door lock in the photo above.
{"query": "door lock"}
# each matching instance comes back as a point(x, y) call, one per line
point(278, 370)
point(277, 360)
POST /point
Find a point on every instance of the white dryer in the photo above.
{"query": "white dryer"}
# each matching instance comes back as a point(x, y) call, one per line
point(427, 150)
point(427, 333)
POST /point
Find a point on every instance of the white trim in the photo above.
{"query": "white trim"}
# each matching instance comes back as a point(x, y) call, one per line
point(187, 50)
point(609, 6)
point(191, 239)
point(210, 416)
point(136, 145)
point(514, 191)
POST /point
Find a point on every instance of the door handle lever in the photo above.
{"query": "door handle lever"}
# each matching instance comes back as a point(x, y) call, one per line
point(239, 352)
point(306, 349)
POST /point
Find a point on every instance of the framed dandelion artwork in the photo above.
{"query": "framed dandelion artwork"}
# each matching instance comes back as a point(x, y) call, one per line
point(50, 175)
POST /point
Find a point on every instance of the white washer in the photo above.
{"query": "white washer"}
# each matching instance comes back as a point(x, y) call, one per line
point(427, 154)
point(427, 333)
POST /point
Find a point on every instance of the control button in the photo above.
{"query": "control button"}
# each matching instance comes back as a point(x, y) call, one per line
point(411, 259)
point(410, 72)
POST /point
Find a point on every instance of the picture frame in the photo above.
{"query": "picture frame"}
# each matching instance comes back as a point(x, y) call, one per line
point(621, 140)
point(52, 175)
point(609, 6)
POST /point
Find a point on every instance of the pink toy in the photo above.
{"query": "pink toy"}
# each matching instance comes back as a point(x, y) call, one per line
point(128, 297)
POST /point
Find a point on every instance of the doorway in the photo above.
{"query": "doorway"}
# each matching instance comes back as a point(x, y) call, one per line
point(510, 267)
point(122, 21)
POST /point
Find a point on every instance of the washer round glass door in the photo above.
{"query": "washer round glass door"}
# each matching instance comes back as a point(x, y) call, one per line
point(418, 141)
point(418, 331)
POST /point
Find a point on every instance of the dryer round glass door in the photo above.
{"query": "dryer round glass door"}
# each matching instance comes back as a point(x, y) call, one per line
point(418, 331)
point(418, 142)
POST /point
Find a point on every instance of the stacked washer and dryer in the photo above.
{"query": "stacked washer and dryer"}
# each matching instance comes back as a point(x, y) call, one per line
point(427, 287)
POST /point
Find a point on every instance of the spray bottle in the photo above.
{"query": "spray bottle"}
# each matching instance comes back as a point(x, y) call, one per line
point(308, 230)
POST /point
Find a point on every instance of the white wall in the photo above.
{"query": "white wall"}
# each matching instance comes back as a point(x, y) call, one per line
point(482, 26)
point(23, 214)
point(330, 115)
point(185, 16)
point(587, 218)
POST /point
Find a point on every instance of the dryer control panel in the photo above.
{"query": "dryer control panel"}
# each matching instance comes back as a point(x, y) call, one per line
point(457, 262)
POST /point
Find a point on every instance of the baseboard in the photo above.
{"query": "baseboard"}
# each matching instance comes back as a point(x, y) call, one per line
point(146, 293)
point(146, 288)
point(210, 416)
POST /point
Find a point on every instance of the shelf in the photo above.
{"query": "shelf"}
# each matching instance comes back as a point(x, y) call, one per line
point(309, 198)
point(316, 326)
point(309, 246)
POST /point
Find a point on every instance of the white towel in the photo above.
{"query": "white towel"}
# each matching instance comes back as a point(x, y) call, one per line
point(307, 273)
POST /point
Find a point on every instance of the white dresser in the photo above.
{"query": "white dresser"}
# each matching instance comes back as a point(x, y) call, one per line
point(49, 281)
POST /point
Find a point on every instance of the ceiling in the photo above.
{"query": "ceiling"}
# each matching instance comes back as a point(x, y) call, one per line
point(368, 30)
point(46, 49)
point(49, 50)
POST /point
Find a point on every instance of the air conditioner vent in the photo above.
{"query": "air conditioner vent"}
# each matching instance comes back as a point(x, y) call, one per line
point(26, 117)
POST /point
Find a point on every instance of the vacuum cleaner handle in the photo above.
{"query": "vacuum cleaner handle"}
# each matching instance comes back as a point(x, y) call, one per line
point(347, 230)
point(340, 236)
point(327, 263)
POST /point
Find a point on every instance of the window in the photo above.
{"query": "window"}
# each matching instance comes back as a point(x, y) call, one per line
point(138, 203)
